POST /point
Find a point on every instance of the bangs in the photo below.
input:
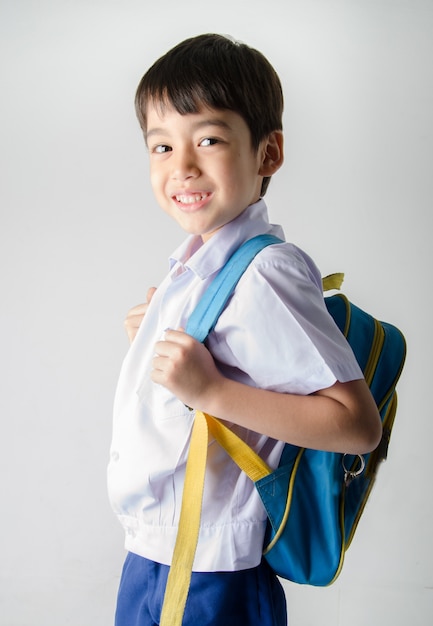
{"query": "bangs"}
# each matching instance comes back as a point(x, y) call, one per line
point(215, 72)
point(187, 91)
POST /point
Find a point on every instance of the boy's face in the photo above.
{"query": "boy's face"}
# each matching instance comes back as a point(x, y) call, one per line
point(203, 169)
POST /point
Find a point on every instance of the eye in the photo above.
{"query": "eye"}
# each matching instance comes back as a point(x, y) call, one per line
point(161, 149)
point(209, 141)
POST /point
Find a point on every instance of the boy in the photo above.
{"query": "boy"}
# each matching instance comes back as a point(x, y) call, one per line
point(275, 367)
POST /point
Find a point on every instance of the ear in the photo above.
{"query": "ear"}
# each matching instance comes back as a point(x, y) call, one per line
point(272, 151)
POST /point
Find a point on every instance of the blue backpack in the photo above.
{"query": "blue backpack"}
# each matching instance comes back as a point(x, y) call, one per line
point(314, 499)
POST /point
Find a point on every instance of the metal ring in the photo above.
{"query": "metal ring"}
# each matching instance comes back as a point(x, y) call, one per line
point(354, 472)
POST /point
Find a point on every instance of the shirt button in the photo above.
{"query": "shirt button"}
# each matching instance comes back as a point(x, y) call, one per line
point(114, 455)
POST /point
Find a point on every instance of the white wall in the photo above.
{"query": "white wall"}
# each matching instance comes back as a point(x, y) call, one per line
point(82, 239)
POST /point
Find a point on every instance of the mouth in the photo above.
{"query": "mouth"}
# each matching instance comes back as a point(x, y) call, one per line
point(191, 198)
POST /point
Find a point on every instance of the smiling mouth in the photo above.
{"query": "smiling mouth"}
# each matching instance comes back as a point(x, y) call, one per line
point(191, 198)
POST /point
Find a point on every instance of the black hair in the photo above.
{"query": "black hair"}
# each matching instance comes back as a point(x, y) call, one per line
point(220, 73)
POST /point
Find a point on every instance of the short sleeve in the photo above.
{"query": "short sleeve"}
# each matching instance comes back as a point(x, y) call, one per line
point(276, 333)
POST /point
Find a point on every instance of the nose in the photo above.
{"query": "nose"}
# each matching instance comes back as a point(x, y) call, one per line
point(184, 165)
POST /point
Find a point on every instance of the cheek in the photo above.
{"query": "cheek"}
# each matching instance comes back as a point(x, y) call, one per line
point(237, 180)
point(156, 181)
point(230, 177)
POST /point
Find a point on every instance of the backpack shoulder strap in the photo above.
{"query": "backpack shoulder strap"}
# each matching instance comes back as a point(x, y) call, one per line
point(204, 317)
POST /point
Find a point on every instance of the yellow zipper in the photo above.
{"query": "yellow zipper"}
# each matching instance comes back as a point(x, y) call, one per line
point(283, 523)
point(378, 341)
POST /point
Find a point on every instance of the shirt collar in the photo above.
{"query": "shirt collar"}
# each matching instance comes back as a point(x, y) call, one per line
point(207, 258)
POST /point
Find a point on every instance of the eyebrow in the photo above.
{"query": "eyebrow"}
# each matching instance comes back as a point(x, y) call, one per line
point(200, 124)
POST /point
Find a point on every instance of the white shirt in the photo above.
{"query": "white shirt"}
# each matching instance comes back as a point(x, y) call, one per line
point(275, 333)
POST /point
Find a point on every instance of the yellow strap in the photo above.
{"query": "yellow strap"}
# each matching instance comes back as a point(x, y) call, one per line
point(241, 453)
point(179, 577)
point(332, 281)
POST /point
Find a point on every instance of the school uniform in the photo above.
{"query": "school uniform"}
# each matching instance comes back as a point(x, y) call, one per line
point(276, 334)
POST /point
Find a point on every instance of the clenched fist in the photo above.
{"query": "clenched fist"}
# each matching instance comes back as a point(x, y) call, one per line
point(136, 314)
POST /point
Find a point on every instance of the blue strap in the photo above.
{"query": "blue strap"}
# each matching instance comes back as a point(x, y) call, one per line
point(204, 317)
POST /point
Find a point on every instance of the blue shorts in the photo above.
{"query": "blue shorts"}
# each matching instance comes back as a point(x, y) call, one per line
point(249, 597)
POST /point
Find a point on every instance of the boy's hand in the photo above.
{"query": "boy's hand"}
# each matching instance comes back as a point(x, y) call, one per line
point(136, 314)
point(185, 367)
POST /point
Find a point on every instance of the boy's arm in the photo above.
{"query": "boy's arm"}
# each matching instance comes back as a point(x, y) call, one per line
point(341, 418)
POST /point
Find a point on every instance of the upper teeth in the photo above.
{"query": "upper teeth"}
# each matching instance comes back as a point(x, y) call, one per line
point(190, 198)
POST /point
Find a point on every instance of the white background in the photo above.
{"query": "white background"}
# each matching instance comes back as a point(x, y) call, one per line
point(82, 239)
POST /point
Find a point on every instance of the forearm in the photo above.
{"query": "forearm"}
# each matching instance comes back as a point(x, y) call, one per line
point(343, 418)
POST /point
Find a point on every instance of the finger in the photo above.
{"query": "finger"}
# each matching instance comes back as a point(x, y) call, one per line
point(159, 362)
point(131, 332)
point(150, 294)
point(165, 348)
point(133, 321)
point(140, 309)
point(177, 336)
point(137, 311)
